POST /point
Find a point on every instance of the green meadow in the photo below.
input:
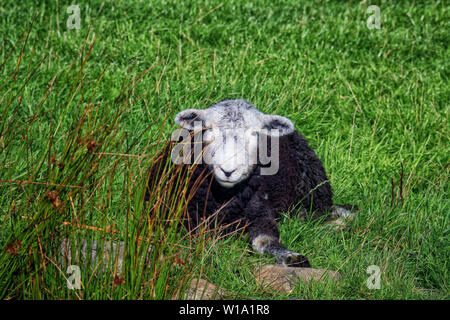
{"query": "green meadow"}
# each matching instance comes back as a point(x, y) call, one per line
point(85, 108)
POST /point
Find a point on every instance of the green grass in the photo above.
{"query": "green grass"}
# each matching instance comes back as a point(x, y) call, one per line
point(371, 102)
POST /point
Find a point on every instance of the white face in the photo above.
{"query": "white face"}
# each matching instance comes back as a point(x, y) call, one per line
point(231, 153)
point(230, 130)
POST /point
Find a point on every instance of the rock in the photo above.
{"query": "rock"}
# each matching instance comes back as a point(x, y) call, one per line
point(90, 252)
point(201, 289)
point(99, 257)
point(283, 279)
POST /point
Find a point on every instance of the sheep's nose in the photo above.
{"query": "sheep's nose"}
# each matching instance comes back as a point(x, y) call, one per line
point(227, 173)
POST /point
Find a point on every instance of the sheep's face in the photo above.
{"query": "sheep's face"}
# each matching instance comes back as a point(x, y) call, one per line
point(230, 131)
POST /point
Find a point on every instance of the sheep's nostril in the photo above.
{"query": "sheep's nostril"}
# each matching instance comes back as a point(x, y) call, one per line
point(227, 173)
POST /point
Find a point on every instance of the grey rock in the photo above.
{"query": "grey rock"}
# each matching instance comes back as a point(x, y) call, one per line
point(284, 279)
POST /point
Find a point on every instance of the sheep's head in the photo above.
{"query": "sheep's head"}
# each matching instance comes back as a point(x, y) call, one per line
point(232, 131)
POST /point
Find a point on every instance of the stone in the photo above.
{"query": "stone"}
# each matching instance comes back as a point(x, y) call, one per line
point(99, 257)
point(201, 289)
point(284, 279)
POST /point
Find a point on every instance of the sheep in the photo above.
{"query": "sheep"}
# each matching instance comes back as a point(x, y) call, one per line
point(241, 189)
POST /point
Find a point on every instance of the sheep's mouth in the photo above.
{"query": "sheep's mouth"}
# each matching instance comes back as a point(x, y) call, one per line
point(227, 183)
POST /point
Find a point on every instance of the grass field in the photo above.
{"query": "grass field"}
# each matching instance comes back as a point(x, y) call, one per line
point(82, 112)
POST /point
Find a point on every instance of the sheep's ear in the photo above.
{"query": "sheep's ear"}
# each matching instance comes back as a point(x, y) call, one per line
point(189, 118)
point(277, 125)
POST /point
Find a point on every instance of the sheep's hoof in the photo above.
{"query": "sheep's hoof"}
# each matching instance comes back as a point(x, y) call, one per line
point(293, 259)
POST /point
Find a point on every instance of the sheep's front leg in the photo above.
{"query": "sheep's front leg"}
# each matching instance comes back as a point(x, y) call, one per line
point(264, 234)
point(267, 244)
point(264, 237)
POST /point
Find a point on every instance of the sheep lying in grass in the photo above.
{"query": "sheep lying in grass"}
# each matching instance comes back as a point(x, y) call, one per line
point(251, 182)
